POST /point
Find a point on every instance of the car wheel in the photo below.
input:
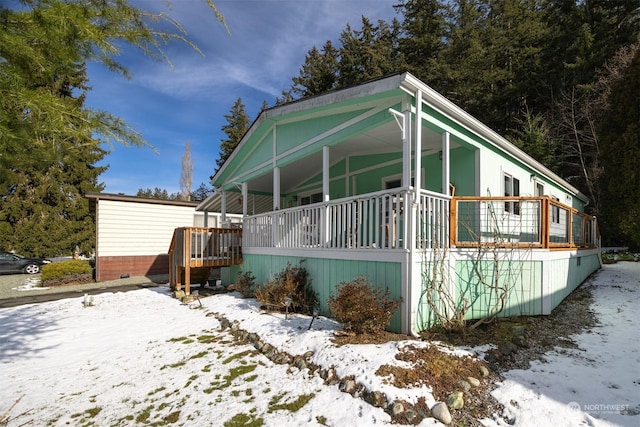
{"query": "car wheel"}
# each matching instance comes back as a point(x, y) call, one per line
point(32, 269)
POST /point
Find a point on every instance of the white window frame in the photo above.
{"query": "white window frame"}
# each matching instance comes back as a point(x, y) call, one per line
point(511, 188)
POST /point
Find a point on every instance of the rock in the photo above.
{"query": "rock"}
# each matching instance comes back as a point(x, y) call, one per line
point(441, 413)
point(397, 408)
point(179, 294)
point(473, 381)
point(494, 356)
point(520, 341)
point(300, 363)
point(518, 330)
point(484, 371)
point(332, 378)
point(465, 385)
point(508, 348)
point(455, 400)
point(377, 399)
point(348, 386)
point(412, 416)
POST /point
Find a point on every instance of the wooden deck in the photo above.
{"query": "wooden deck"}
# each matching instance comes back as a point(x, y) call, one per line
point(195, 251)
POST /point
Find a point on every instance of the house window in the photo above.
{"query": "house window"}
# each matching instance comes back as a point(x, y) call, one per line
point(311, 198)
point(511, 189)
point(393, 183)
point(555, 211)
point(539, 189)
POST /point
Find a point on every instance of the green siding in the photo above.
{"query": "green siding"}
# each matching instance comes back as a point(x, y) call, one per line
point(522, 278)
point(291, 135)
point(327, 274)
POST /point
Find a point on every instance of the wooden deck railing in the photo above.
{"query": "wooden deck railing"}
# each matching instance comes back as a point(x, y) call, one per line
point(202, 249)
point(379, 221)
point(538, 222)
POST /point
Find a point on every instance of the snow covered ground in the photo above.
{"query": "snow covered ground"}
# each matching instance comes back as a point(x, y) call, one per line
point(141, 357)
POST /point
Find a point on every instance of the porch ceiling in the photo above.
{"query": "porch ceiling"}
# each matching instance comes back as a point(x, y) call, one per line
point(383, 139)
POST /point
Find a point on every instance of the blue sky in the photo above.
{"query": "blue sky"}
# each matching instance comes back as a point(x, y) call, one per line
point(266, 47)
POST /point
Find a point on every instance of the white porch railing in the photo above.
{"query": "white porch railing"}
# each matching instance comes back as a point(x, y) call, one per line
point(368, 221)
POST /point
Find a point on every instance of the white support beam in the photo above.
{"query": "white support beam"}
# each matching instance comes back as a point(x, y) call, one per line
point(223, 205)
point(418, 143)
point(245, 198)
point(446, 171)
point(325, 173)
point(406, 145)
point(276, 188)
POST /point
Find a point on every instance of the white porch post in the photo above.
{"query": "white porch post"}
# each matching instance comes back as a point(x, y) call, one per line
point(223, 206)
point(406, 145)
point(325, 173)
point(276, 188)
point(324, 227)
point(245, 197)
point(445, 164)
point(418, 143)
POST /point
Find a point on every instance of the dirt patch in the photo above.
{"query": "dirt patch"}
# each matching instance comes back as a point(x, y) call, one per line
point(68, 280)
point(516, 342)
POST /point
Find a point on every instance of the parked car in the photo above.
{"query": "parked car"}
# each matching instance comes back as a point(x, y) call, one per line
point(14, 263)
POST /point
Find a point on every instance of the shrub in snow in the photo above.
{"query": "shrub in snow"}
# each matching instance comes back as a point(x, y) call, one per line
point(361, 308)
point(289, 290)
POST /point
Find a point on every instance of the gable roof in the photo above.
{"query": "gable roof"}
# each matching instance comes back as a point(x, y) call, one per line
point(384, 89)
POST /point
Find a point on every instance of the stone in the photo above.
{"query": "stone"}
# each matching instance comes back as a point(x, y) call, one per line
point(465, 385)
point(441, 413)
point(412, 416)
point(508, 348)
point(520, 341)
point(484, 371)
point(455, 400)
point(397, 408)
point(473, 381)
point(348, 386)
point(377, 399)
point(179, 294)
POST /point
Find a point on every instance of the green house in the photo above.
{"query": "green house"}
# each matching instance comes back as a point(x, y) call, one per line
point(390, 180)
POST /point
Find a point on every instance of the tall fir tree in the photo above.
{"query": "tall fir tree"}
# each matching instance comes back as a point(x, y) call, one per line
point(368, 53)
point(50, 142)
point(319, 73)
point(237, 125)
point(423, 36)
point(619, 130)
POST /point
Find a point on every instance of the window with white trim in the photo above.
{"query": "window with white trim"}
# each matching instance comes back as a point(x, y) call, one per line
point(555, 211)
point(311, 198)
point(511, 189)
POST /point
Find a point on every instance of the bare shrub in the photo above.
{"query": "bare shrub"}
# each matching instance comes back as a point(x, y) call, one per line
point(245, 284)
point(291, 283)
point(361, 308)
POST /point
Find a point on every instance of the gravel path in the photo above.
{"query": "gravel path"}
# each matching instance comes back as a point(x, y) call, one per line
point(18, 289)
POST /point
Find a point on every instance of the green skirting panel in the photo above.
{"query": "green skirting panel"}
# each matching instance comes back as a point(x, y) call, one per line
point(484, 283)
point(327, 274)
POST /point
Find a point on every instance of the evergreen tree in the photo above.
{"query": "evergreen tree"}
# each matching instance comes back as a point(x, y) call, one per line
point(619, 130)
point(50, 141)
point(424, 33)
point(319, 73)
point(237, 125)
point(369, 53)
point(201, 193)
